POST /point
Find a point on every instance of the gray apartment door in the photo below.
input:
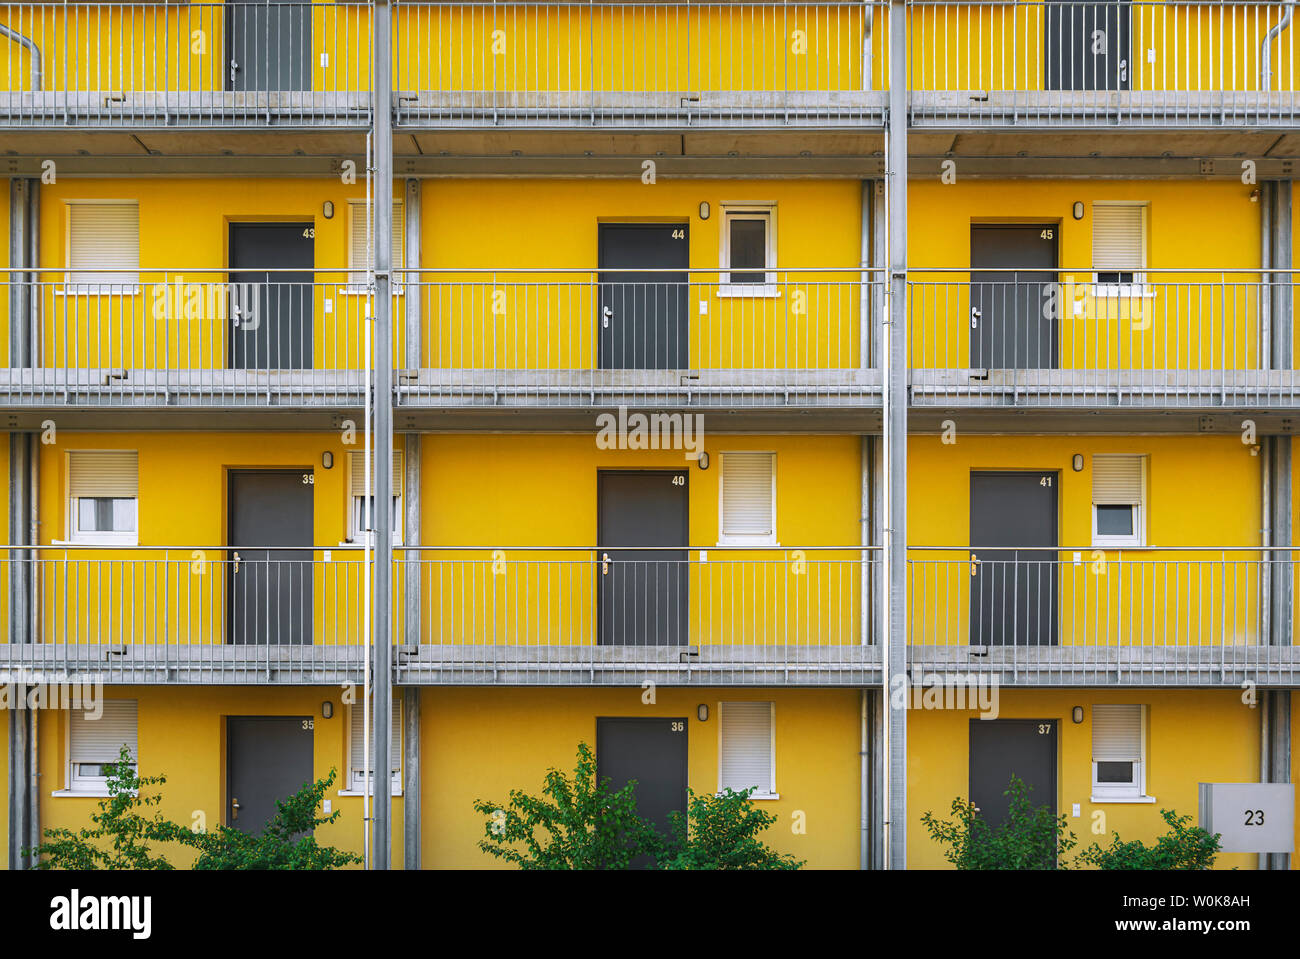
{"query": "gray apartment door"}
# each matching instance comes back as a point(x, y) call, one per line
point(644, 320)
point(1002, 748)
point(1013, 315)
point(643, 593)
point(1087, 45)
point(267, 758)
point(270, 313)
point(270, 590)
point(652, 752)
point(268, 45)
point(1013, 591)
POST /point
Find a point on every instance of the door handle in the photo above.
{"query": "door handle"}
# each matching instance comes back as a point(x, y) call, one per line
point(975, 315)
point(236, 562)
point(234, 808)
point(974, 564)
point(604, 564)
point(605, 314)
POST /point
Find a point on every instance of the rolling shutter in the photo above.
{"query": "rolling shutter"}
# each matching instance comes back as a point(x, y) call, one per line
point(1117, 233)
point(110, 473)
point(104, 236)
point(100, 740)
point(357, 472)
point(1117, 480)
point(360, 254)
point(747, 507)
point(746, 747)
point(358, 749)
point(1116, 734)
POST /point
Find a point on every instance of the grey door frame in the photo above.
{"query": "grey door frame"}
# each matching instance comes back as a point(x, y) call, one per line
point(978, 290)
point(227, 816)
point(1054, 767)
point(606, 355)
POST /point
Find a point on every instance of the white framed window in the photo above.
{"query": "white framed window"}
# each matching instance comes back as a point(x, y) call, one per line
point(747, 748)
point(747, 499)
point(96, 744)
point(360, 249)
point(1119, 482)
point(748, 250)
point(103, 251)
point(359, 748)
point(360, 507)
point(1119, 249)
point(103, 497)
point(1119, 754)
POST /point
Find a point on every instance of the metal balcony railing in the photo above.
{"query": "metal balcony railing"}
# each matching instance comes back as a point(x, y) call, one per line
point(244, 63)
point(220, 614)
point(1081, 337)
point(1105, 63)
point(662, 63)
point(188, 338)
point(1178, 616)
point(736, 615)
point(574, 337)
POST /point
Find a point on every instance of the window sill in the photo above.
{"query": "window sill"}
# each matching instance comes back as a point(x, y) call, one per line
point(397, 791)
point(85, 793)
point(1109, 291)
point(106, 289)
point(1117, 800)
point(1118, 543)
point(754, 290)
point(354, 290)
point(726, 541)
point(757, 797)
point(124, 541)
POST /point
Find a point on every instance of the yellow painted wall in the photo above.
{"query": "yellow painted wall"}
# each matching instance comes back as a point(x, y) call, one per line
point(181, 736)
point(1205, 320)
point(1192, 737)
point(541, 491)
point(154, 47)
point(480, 744)
point(1201, 491)
point(515, 320)
point(90, 595)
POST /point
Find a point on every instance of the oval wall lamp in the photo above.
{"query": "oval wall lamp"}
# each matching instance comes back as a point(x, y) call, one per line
point(704, 209)
point(1078, 209)
point(702, 711)
point(703, 460)
point(1077, 714)
point(327, 709)
point(327, 460)
point(327, 209)
point(1077, 462)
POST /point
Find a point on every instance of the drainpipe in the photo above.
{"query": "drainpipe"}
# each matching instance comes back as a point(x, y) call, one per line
point(1265, 53)
point(22, 41)
point(869, 16)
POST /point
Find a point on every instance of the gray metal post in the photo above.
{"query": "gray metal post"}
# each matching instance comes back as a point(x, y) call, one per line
point(411, 778)
point(896, 436)
point(879, 260)
point(411, 260)
point(24, 806)
point(412, 595)
point(382, 237)
point(1280, 236)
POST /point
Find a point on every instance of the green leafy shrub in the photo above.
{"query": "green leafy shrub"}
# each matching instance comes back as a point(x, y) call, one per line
point(1031, 838)
point(121, 836)
point(582, 825)
point(1184, 846)
point(721, 832)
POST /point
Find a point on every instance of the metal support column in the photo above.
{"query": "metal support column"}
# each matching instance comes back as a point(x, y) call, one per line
point(411, 261)
point(412, 595)
point(24, 807)
point(895, 418)
point(382, 237)
point(1278, 238)
point(1275, 718)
